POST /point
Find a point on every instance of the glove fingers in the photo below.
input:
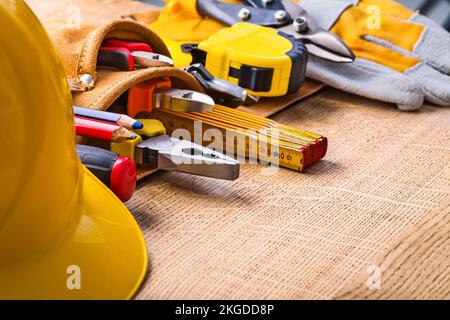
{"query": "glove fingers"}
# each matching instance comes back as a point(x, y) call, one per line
point(368, 79)
point(434, 45)
point(435, 85)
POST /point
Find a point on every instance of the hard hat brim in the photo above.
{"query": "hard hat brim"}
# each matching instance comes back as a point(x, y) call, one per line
point(105, 257)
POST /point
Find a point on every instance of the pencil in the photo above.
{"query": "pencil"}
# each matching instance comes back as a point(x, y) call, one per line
point(120, 119)
point(102, 130)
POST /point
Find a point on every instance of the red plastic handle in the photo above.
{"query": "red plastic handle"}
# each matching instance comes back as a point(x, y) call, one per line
point(123, 178)
point(130, 45)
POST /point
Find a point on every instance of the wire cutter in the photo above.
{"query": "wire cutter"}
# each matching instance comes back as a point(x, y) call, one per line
point(128, 56)
point(286, 17)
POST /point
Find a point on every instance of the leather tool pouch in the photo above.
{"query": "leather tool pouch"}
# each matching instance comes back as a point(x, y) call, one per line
point(100, 88)
point(104, 10)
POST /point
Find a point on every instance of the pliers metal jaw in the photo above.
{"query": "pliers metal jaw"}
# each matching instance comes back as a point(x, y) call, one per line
point(153, 149)
point(166, 153)
point(182, 100)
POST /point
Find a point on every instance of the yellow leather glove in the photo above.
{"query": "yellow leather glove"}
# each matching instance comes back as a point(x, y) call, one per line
point(179, 23)
point(402, 56)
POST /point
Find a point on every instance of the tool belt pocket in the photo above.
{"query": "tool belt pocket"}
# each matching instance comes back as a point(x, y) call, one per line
point(100, 88)
point(78, 48)
point(97, 88)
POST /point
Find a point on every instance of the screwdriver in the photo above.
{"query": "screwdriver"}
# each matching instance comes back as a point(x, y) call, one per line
point(118, 173)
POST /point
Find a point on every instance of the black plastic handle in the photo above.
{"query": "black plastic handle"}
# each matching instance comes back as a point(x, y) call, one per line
point(114, 59)
point(99, 161)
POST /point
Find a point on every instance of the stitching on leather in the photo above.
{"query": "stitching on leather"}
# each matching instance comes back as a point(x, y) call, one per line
point(84, 51)
point(122, 27)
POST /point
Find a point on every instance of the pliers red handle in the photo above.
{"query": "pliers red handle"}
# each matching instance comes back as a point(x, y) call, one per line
point(128, 55)
point(131, 46)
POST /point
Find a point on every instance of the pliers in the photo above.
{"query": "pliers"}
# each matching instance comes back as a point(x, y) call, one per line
point(128, 56)
point(158, 93)
point(285, 16)
point(153, 149)
point(117, 168)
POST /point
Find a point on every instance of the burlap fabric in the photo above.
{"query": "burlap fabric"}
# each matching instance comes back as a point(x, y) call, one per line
point(380, 198)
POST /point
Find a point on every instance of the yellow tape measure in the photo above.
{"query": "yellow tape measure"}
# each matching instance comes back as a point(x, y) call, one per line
point(265, 62)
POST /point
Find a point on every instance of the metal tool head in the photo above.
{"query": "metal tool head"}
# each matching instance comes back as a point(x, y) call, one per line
point(293, 20)
point(250, 99)
point(223, 92)
point(230, 13)
point(166, 153)
point(150, 59)
point(183, 100)
point(320, 42)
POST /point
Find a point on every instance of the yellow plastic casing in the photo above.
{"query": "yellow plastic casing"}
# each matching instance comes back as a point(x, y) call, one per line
point(151, 128)
point(253, 45)
point(126, 148)
point(180, 59)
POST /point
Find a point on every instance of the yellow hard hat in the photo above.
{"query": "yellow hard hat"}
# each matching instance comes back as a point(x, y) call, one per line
point(63, 234)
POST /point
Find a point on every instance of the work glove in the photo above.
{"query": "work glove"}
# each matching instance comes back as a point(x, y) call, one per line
point(402, 56)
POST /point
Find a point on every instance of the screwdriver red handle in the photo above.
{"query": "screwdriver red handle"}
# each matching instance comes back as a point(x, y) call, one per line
point(117, 172)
